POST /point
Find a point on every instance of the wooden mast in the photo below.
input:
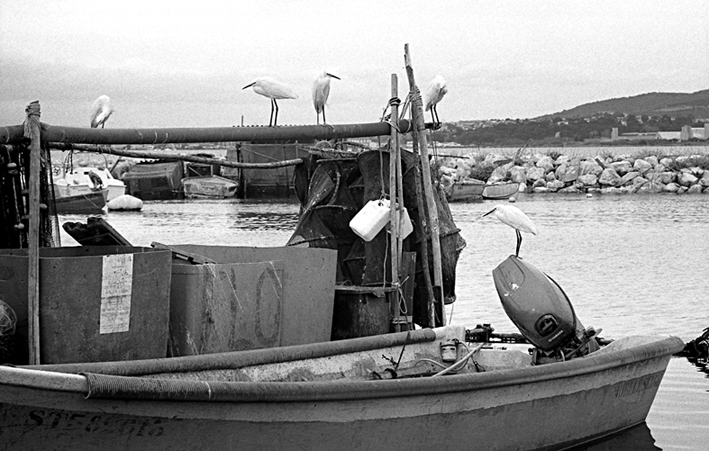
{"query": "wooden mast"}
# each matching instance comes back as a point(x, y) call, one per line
point(419, 128)
point(32, 131)
point(394, 206)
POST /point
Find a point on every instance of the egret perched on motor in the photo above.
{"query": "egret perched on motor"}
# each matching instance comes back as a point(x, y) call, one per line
point(434, 94)
point(273, 89)
point(100, 111)
point(515, 218)
point(321, 91)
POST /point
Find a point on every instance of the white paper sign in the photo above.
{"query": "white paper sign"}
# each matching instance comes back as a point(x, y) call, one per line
point(116, 286)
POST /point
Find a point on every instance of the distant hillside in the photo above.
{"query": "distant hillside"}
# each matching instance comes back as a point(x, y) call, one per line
point(673, 104)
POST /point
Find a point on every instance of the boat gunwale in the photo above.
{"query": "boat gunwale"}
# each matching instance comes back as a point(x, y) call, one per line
point(129, 387)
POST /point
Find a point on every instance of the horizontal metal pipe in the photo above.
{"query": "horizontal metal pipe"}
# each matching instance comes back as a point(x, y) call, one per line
point(82, 135)
point(173, 156)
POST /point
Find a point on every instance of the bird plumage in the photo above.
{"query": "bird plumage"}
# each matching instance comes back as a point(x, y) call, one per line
point(515, 218)
point(321, 92)
point(434, 94)
point(101, 110)
point(273, 89)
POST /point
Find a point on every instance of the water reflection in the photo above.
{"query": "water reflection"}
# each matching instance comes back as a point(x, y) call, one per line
point(263, 221)
point(637, 438)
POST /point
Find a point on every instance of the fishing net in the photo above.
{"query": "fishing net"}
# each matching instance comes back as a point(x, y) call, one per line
point(14, 198)
point(8, 322)
point(332, 191)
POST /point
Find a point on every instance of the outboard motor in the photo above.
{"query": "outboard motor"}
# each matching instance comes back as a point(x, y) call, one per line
point(542, 312)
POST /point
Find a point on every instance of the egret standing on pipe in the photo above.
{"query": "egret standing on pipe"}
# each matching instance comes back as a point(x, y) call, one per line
point(100, 111)
point(434, 94)
point(321, 91)
point(515, 218)
point(273, 89)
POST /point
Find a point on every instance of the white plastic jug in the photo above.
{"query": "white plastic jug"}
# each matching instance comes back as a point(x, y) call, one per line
point(406, 226)
point(371, 219)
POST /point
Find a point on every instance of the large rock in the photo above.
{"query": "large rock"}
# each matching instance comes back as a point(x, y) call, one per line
point(642, 166)
point(567, 172)
point(687, 179)
point(622, 167)
point(627, 178)
point(695, 189)
point(671, 187)
point(498, 175)
point(588, 180)
point(590, 167)
point(695, 170)
point(555, 185)
point(704, 181)
point(561, 159)
point(518, 174)
point(652, 160)
point(609, 177)
point(570, 190)
point(545, 162)
point(535, 174)
point(664, 177)
point(667, 162)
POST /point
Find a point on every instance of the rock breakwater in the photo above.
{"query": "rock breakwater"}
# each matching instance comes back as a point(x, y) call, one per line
point(537, 173)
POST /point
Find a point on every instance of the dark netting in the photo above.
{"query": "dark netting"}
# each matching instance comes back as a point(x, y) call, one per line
point(337, 189)
point(14, 198)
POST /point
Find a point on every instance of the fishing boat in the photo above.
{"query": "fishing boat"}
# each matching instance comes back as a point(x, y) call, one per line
point(466, 190)
point(500, 191)
point(262, 366)
point(158, 180)
point(357, 394)
point(95, 176)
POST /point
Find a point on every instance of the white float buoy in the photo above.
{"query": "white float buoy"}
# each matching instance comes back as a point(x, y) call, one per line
point(512, 200)
point(125, 202)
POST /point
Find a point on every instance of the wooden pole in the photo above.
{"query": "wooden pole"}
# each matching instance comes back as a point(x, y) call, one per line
point(167, 156)
point(394, 205)
point(32, 131)
point(420, 127)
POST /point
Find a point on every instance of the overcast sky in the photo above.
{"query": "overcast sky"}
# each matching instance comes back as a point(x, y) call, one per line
point(183, 63)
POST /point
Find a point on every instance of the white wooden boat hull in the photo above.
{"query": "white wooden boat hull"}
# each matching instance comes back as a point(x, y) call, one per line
point(532, 408)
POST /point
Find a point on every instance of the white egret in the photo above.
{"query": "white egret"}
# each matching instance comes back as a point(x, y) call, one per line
point(100, 111)
point(321, 91)
point(515, 218)
point(434, 94)
point(273, 89)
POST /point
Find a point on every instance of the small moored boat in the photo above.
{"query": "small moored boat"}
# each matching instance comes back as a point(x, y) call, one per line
point(500, 191)
point(465, 190)
point(210, 186)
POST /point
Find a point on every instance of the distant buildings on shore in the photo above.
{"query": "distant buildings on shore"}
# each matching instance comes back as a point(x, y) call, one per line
point(687, 133)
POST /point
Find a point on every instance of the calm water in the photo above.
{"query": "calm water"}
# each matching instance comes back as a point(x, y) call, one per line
point(630, 265)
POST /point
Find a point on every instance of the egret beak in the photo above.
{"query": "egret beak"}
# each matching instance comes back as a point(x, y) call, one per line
point(489, 212)
point(333, 76)
point(249, 85)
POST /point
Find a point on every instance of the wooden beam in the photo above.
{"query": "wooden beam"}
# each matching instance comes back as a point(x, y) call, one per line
point(32, 131)
point(419, 128)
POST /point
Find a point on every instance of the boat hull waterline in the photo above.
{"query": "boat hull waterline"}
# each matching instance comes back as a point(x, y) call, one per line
point(539, 407)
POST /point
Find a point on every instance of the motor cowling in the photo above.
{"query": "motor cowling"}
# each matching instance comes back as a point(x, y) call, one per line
point(536, 305)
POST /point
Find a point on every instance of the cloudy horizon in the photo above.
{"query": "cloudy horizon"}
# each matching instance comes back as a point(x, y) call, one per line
point(184, 64)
